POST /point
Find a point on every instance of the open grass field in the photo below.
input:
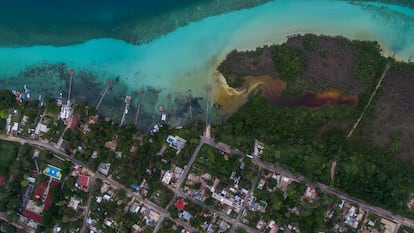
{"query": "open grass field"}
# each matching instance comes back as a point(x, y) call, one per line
point(8, 152)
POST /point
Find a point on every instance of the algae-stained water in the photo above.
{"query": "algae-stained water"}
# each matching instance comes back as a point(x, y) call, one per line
point(183, 62)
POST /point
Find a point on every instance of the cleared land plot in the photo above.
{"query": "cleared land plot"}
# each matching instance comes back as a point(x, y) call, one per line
point(8, 152)
point(390, 124)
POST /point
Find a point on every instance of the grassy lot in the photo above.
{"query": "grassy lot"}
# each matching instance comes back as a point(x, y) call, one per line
point(46, 157)
point(170, 227)
point(221, 166)
point(404, 229)
point(162, 195)
point(8, 152)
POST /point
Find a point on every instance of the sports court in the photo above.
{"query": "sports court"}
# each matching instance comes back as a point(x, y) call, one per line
point(53, 172)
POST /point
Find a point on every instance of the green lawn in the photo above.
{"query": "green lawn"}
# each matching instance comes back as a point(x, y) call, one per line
point(405, 229)
point(8, 152)
point(46, 157)
point(162, 195)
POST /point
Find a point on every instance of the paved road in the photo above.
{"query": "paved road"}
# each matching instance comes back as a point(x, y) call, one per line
point(379, 211)
point(3, 217)
point(224, 216)
point(190, 163)
point(340, 194)
point(254, 183)
point(88, 204)
point(163, 213)
point(181, 181)
point(179, 193)
point(157, 227)
point(45, 146)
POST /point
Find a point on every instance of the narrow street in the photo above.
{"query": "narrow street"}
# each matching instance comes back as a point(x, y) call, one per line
point(219, 213)
point(190, 163)
point(254, 183)
point(400, 220)
point(3, 217)
point(181, 181)
point(88, 204)
point(114, 184)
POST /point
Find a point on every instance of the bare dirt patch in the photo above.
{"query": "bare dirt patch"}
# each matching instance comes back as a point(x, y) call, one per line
point(329, 66)
point(391, 122)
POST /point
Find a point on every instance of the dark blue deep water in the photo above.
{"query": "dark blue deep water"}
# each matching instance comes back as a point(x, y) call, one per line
point(81, 10)
point(30, 22)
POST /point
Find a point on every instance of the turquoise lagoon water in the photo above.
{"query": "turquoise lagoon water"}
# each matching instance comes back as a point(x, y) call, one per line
point(185, 60)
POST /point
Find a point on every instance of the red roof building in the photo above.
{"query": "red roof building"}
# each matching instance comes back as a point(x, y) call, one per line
point(40, 190)
point(274, 229)
point(48, 201)
point(82, 182)
point(180, 204)
point(37, 217)
point(74, 123)
point(2, 179)
point(33, 216)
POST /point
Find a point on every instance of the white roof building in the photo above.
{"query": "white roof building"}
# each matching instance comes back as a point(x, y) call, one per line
point(15, 126)
point(163, 117)
point(166, 179)
point(74, 203)
point(65, 112)
point(104, 168)
point(258, 148)
point(154, 216)
point(41, 128)
point(176, 142)
point(108, 222)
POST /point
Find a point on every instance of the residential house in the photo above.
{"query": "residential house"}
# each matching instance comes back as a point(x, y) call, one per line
point(166, 179)
point(258, 148)
point(176, 142)
point(185, 215)
point(260, 225)
point(104, 168)
point(180, 204)
point(82, 182)
point(283, 182)
point(74, 122)
point(111, 145)
point(273, 227)
point(74, 203)
point(134, 208)
point(261, 184)
point(311, 194)
point(41, 128)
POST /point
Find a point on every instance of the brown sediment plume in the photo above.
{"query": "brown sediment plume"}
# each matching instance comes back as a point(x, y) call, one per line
point(230, 100)
point(312, 99)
